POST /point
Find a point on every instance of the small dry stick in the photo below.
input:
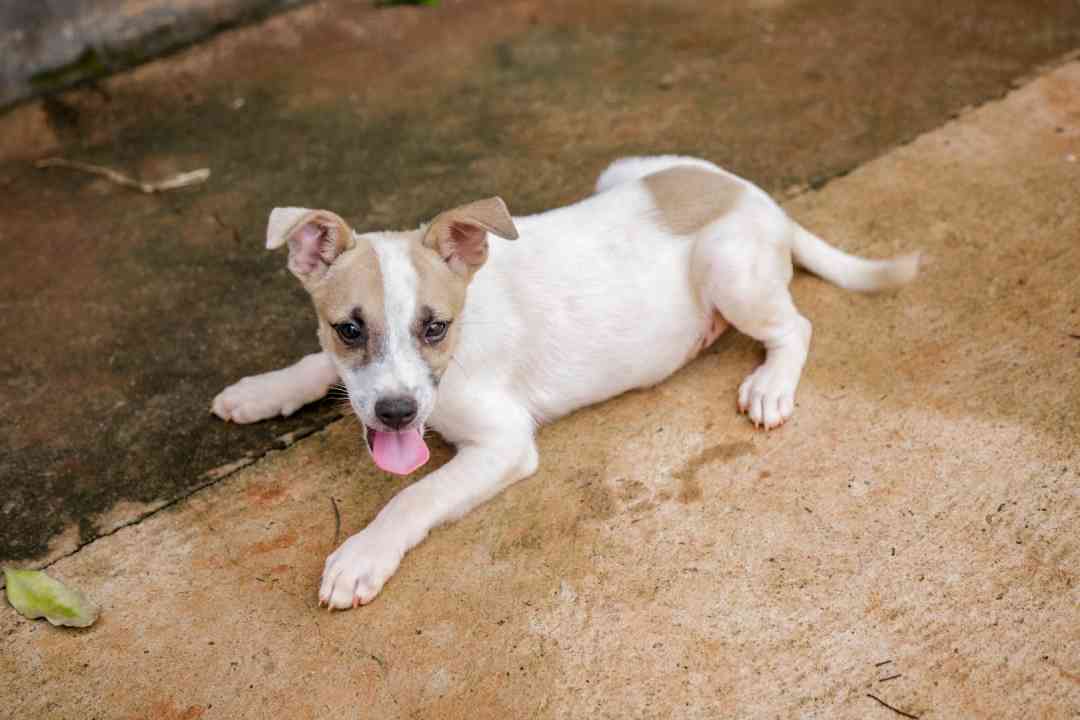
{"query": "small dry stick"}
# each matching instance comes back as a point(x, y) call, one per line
point(895, 710)
point(337, 520)
point(194, 177)
point(891, 677)
point(883, 662)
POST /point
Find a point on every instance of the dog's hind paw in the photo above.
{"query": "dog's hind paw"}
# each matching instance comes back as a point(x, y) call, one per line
point(356, 572)
point(257, 397)
point(767, 396)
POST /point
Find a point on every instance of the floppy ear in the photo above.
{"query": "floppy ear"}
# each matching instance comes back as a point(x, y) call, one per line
point(460, 235)
point(315, 238)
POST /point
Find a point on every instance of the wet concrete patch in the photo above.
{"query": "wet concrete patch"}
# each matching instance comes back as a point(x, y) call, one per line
point(131, 311)
point(689, 488)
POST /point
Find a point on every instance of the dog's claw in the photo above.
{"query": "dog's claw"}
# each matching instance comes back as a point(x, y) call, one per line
point(355, 572)
point(767, 397)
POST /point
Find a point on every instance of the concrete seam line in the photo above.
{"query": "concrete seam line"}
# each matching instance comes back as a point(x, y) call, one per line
point(215, 476)
point(1017, 83)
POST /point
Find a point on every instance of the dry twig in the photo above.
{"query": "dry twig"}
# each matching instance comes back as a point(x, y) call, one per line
point(895, 710)
point(193, 177)
point(337, 520)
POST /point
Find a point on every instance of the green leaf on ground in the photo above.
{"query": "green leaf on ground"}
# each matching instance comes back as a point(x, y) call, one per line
point(35, 594)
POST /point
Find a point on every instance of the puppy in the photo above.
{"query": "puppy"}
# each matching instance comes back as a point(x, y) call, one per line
point(450, 327)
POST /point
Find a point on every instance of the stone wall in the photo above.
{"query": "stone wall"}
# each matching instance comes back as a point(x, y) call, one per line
point(46, 45)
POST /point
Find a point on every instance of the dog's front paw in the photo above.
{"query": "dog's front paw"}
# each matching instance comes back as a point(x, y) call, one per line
point(257, 397)
point(356, 571)
point(767, 396)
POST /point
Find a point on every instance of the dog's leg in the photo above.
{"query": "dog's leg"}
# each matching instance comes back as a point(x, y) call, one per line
point(745, 270)
point(355, 573)
point(767, 395)
point(281, 392)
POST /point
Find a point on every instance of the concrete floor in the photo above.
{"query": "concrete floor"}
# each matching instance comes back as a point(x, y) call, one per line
point(916, 518)
point(132, 311)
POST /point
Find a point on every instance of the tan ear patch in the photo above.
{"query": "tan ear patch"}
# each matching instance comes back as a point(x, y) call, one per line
point(459, 235)
point(688, 198)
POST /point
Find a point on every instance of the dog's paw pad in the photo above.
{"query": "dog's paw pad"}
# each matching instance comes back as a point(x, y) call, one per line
point(356, 572)
point(767, 397)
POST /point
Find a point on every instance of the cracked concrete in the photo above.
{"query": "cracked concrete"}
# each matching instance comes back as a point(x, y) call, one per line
point(909, 535)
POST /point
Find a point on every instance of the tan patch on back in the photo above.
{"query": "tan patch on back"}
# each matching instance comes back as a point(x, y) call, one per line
point(689, 198)
point(353, 281)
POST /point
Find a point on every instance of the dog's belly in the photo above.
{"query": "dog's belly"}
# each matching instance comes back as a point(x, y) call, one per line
point(717, 324)
point(656, 337)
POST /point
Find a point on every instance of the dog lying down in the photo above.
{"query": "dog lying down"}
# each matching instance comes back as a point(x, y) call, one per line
point(447, 327)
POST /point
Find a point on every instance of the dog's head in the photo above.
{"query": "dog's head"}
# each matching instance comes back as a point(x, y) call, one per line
point(388, 305)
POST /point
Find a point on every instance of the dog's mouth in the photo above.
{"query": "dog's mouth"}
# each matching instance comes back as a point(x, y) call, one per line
point(399, 452)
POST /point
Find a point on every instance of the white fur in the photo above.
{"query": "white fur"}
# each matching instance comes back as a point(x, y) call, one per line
point(280, 392)
point(594, 299)
point(398, 368)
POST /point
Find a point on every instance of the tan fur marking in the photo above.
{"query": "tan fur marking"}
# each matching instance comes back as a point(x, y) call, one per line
point(353, 281)
point(458, 235)
point(689, 198)
point(443, 290)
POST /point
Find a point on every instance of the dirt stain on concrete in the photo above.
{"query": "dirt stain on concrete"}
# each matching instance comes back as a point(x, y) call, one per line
point(690, 490)
point(169, 710)
point(265, 495)
point(285, 540)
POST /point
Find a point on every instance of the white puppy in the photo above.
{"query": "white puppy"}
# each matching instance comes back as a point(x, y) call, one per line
point(483, 340)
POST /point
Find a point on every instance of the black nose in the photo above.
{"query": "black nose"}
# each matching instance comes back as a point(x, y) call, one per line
point(396, 412)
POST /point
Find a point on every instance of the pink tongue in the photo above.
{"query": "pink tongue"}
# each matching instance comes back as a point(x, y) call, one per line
point(399, 452)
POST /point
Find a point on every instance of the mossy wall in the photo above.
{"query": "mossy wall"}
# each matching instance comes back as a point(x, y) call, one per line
point(48, 45)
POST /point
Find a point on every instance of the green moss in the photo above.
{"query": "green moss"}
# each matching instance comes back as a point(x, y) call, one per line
point(89, 64)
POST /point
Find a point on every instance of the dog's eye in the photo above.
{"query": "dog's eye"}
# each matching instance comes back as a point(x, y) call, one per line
point(350, 332)
point(435, 331)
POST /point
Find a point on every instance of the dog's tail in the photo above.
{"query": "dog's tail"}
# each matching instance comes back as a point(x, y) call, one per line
point(848, 271)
